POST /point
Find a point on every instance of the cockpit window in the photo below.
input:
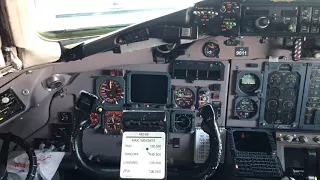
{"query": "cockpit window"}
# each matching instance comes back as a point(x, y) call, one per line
point(65, 19)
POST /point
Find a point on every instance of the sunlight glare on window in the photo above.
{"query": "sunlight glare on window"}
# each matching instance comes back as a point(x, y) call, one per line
point(61, 15)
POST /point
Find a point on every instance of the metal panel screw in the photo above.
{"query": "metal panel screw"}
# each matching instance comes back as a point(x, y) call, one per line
point(25, 92)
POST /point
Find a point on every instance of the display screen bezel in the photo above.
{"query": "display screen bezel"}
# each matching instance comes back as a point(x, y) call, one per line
point(264, 147)
point(129, 86)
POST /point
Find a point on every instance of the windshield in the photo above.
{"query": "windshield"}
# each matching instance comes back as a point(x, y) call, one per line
point(93, 17)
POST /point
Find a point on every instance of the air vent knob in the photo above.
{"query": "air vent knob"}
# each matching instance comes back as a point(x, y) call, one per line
point(55, 81)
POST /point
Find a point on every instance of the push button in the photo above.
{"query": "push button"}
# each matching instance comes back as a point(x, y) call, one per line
point(176, 142)
point(315, 12)
point(5, 100)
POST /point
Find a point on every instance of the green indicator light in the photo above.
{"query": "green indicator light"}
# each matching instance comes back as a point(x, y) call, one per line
point(180, 94)
point(227, 23)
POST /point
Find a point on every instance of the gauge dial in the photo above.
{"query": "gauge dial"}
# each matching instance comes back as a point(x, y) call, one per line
point(289, 93)
point(183, 122)
point(249, 83)
point(111, 91)
point(275, 78)
point(113, 122)
point(288, 105)
point(211, 49)
point(291, 79)
point(94, 118)
point(273, 104)
point(271, 117)
point(246, 108)
point(287, 118)
point(274, 92)
point(184, 97)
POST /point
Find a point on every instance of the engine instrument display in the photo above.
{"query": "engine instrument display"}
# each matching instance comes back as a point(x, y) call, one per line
point(271, 117)
point(291, 79)
point(211, 49)
point(288, 105)
point(111, 91)
point(246, 108)
point(282, 92)
point(149, 87)
point(184, 97)
point(289, 93)
point(249, 83)
point(275, 78)
point(274, 92)
point(287, 118)
point(113, 122)
point(273, 104)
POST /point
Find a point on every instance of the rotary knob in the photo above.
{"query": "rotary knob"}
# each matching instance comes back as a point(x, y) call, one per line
point(303, 139)
point(317, 139)
point(305, 14)
point(262, 22)
point(288, 138)
point(223, 9)
point(280, 139)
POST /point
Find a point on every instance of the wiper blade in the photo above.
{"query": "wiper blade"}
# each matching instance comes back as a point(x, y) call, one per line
point(109, 41)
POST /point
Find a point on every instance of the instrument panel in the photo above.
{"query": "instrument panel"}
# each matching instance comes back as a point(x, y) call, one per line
point(124, 92)
point(283, 87)
point(273, 95)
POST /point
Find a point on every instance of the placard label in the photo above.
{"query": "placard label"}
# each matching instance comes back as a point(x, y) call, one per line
point(201, 146)
point(143, 155)
point(241, 52)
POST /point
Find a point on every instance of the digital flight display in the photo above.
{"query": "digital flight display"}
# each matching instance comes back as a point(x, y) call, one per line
point(149, 88)
point(250, 141)
point(249, 83)
point(248, 79)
